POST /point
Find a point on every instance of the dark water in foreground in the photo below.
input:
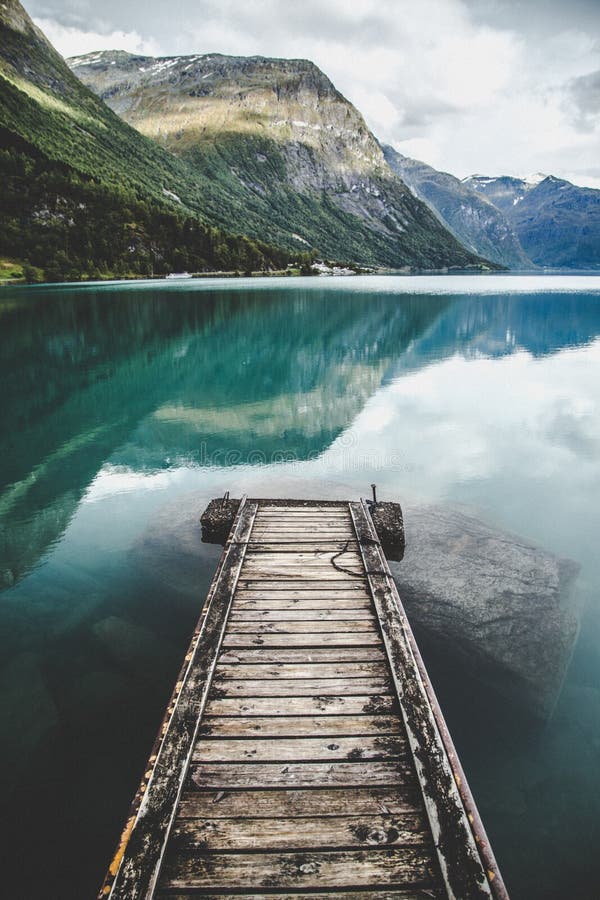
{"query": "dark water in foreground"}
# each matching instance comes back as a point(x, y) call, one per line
point(124, 408)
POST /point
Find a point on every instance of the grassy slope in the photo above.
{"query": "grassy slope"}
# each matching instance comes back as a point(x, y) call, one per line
point(68, 164)
point(42, 101)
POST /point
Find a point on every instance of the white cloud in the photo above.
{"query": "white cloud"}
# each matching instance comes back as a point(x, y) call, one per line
point(71, 41)
point(438, 79)
point(589, 181)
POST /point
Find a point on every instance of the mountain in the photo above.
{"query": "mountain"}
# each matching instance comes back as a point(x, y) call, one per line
point(504, 191)
point(474, 218)
point(282, 153)
point(557, 223)
point(82, 192)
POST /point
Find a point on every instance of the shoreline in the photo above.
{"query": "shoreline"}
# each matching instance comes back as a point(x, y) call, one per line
point(325, 271)
point(329, 272)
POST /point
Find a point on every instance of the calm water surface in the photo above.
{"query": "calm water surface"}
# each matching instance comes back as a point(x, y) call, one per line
point(125, 408)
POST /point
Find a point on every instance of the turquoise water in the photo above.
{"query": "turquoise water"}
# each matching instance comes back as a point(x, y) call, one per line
point(126, 407)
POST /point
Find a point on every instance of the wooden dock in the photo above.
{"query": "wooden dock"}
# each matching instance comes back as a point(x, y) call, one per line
point(303, 753)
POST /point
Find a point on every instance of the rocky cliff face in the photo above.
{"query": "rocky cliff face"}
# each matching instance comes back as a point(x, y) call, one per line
point(180, 101)
point(470, 215)
point(287, 156)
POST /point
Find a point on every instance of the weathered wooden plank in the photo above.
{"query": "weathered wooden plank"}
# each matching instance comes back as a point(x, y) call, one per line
point(291, 626)
point(248, 604)
point(309, 639)
point(299, 749)
point(297, 558)
point(299, 506)
point(326, 514)
point(263, 569)
point(290, 513)
point(324, 518)
point(139, 855)
point(275, 521)
point(293, 614)
point(334, 510)
point(316, 560)
point(296, 585)
point(256, 550)
point(326, 526)
point(304, 575)
point(296, 515)
point(304, 655)
point(301, 687)
point(414, 893)
point(298, 803)
point(329, 531)
point(299, 726)
point(328, 832)
point(286, 536)
point(338, 523)
point(303, 774)
point(322, 570)
point(302, 706)
point(325, 511)
point(346, 670)
point(352, 868)
point(304, 589)
point(275, 545)
point(281, 528)
point(290, 510)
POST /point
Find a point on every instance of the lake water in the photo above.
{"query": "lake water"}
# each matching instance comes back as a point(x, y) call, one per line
point(126, 407)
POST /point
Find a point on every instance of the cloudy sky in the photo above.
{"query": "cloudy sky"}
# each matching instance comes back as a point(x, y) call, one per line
point(486, 86)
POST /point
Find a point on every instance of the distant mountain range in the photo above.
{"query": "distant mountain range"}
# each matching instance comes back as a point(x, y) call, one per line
point(474, 219)
point(557, 223)
point(517, 222)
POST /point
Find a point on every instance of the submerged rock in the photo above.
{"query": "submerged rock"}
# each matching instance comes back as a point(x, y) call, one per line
point(126, 641)
point(28, 714)
point(500, 604)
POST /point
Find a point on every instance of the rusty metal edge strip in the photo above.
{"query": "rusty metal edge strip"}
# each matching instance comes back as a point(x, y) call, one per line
point(111, 885)
point(463, 878)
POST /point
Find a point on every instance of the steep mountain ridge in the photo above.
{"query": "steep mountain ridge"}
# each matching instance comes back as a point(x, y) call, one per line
point(557, 222)
point(284, 153)
point(474, 219)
